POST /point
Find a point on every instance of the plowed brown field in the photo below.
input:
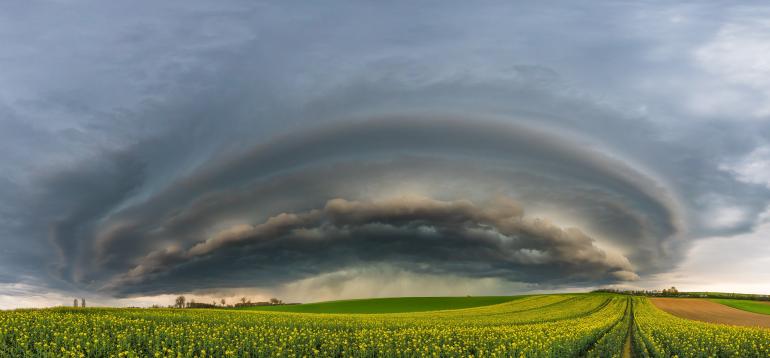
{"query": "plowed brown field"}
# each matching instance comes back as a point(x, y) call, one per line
point(707, 311)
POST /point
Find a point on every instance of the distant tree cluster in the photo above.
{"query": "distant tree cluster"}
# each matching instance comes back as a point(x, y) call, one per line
point(247, 303)
point(181, 302)
point(666, 292)
point(670, 291)
point(193, 304)
point(673, 292)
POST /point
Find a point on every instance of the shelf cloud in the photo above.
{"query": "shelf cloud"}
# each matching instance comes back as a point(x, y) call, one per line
point(335, 185)
point(413, 233)
point(285, 147)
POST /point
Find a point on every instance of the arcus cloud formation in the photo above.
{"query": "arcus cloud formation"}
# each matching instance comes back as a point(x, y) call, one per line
point(416, 234)
point(197, 217)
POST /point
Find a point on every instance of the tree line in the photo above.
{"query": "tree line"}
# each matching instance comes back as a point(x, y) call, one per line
point(673, 292)
point(182, 302)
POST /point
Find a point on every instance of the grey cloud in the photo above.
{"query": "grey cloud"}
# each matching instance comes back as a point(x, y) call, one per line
point(95, 190)
point(416, 233)
point(367, 159)
point(131, 128)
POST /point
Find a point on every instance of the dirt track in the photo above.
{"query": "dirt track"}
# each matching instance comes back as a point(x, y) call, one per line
point(707, 311)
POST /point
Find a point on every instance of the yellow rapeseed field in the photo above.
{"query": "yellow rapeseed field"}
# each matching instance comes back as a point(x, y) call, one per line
point(659, 334)
point(537, 326)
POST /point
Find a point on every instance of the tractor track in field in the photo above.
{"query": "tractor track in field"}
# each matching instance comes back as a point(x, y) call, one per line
point(628, 351)
point(585, 351)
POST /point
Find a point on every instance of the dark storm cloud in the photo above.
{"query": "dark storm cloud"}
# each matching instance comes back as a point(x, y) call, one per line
point(417, 233)
point(94, 190)
point(129, 129)
point(371, 159)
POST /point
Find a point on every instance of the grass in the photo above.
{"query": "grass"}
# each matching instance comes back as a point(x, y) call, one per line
point(390, 305)
point(725, 295)
point(746, 305)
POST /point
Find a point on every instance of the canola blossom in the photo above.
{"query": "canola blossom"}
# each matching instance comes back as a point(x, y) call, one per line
point(659, 334)
point(594, 325)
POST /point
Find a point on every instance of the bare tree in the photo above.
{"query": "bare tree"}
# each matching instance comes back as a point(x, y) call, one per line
point(83, 302)
point(243, 300)
point(75, 303)
point(180, 302)
point(222, 302)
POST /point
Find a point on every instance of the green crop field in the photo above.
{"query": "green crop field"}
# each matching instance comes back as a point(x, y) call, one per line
point(390, 305)
point(747, 305)
point(591, 325)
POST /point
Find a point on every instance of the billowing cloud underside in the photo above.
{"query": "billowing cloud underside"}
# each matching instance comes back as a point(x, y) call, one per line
point(421, 194)
point(417, 234)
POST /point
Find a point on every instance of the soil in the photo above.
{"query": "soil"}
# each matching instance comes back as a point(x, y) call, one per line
point(707, 311)
point(627, 348)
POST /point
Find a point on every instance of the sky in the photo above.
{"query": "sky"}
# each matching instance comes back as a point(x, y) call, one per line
point(367, 149)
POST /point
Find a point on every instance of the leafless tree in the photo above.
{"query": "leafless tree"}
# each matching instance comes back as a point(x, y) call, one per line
point(222, 302)
point(75, 303)
point(180, 302)
point(83, 302)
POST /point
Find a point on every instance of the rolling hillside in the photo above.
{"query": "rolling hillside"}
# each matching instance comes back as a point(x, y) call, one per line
point(390, 305)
